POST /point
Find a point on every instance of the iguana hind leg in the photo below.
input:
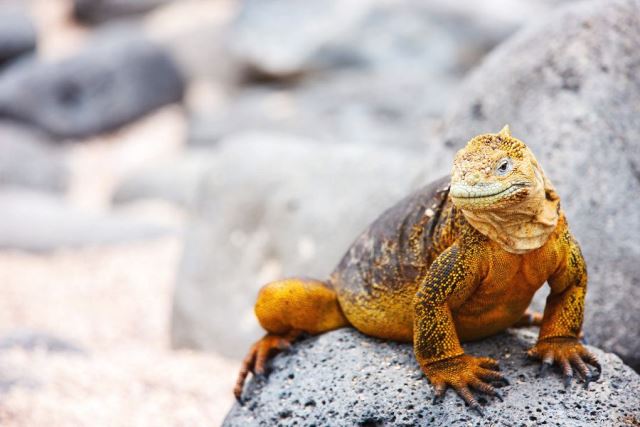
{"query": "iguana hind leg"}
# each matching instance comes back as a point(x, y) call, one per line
point(534, 318)
point(286, 309)
point(529, 318)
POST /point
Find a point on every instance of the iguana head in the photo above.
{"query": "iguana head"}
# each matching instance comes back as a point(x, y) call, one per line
point(502, 191)
point(494, 172)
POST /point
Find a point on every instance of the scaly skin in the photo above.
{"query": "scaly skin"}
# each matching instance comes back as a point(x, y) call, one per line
point(458, 260)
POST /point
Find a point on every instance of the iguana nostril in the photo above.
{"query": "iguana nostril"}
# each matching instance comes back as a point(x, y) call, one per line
point(473, 178)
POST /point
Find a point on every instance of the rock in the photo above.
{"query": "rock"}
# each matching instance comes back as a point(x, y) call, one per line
point(115, 80)
point(430, 36)
point(273, 206)
point(570, 88)
point(37, 222)
point(99, 11)
point(32, 340)
point(386, 109)
point(29, 159)
point(194, 34)
point(175, 180)
point(364, 71)
point(344, 378)
point(17, 34)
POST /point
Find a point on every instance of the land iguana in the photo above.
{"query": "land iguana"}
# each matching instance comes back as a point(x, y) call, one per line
point(458, 260)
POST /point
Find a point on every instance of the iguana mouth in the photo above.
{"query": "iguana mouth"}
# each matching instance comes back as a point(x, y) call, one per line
point(464, 191)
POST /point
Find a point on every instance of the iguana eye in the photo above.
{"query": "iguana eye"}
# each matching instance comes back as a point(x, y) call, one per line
point(504, 167)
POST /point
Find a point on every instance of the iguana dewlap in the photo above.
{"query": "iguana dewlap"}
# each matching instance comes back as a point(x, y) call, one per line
point(458, 260)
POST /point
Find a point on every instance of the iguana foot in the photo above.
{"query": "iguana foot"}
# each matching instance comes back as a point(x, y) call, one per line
point(256, 359)
point(569, 354)
point(462, 372)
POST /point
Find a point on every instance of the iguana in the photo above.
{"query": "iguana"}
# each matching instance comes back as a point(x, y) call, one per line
point(458, 260)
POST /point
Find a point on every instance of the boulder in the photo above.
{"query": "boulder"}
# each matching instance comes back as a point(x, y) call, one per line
point(387, 109)
point(118, 78)
point(99, 11)
point(17, 34)
point(570, 88)
point(357, 70)
point(273, 206)
point(31, 221)
point(194, 34)
point(175, 180)
point(28, 158)
point(430, 36)
point(344, 378)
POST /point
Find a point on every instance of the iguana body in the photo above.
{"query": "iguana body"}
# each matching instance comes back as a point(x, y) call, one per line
point(458, 260)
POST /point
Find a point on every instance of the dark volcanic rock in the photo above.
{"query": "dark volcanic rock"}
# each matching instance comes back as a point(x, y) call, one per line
point(17, 34)
point(98, 11)
point(570, 88)
point(29, 159)
point(114, 81)
point(344, 378)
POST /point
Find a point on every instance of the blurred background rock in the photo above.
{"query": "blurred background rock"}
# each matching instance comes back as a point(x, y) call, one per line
point(160, 160)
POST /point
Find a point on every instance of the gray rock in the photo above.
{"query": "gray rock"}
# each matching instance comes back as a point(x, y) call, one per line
point(176, 180)
point(115, 80)
point(194, 34)
point(99, 11)
point(360, 71)
point(17, 34)
point(429, 35)
point(32, 340)
point(274, 206)
point(29, 159)
point(390, 109)
point(364, 71)
point(344, 378)
point(37, 222)
point(570, 88)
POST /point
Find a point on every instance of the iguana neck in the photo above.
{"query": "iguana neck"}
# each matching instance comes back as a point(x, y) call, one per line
point(523, 227)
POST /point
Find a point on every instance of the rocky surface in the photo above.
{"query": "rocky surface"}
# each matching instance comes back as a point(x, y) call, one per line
point(344, 378)
point(176, 180)
point(433, 36)
point(116, 80)
point(357, 71)
point(99, 11)
point(93, 299)
point(17, 33)
point(28, 158)
point(32, 221)
point(194, 33)
point(393, 109)
point(365, 71)
point(273, 206)
point(570, 88)
point(33, 340)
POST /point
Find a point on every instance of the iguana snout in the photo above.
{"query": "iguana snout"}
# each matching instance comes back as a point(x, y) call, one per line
point(493, 172)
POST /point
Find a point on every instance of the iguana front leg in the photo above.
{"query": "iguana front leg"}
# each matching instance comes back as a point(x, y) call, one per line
point(563, 314)
point(451, 278)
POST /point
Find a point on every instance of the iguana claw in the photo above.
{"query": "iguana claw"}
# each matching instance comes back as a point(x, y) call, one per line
point(570, 355)
point(463, 373)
